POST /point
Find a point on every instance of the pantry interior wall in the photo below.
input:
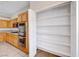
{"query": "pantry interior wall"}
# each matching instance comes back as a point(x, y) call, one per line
point(53, 30)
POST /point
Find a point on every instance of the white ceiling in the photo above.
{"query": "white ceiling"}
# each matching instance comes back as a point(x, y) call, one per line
point(10, 8)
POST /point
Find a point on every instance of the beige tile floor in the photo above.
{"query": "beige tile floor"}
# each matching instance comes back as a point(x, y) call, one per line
point(7, 50)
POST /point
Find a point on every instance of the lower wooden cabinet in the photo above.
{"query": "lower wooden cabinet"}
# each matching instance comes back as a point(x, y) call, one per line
point(12, 39)
point(2, 36)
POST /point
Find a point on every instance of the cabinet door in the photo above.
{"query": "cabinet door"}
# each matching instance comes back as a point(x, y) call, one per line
point(24, 17)
point(9, 38)
point(2, 36)
point(19, 18)
point(10, 23)
point(3, 24)
point(13, 39)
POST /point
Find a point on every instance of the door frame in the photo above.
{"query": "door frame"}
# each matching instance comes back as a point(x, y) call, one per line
point(74, 39)
point(32, 32)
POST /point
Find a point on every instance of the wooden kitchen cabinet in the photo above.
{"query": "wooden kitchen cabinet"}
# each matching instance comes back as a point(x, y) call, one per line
point(3, 24)
point(12, 39)
point(10, 23)
point(23, 17)
point(19, 19)
point(2, 36)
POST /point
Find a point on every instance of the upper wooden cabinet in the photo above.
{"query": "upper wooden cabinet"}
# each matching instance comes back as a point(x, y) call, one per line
point(23, 17)
point(3, 24)
point(11, 23)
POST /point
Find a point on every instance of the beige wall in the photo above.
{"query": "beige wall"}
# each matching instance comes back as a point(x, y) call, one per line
point(41, 5)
